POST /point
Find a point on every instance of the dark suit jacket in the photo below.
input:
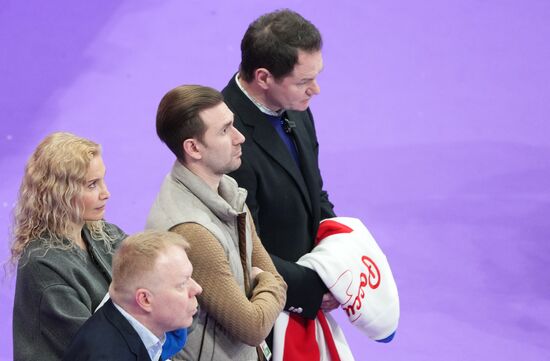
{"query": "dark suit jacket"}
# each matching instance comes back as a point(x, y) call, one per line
point(107, 335)
point(287, 203)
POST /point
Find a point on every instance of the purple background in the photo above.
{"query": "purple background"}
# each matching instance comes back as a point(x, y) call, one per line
point(433, 128)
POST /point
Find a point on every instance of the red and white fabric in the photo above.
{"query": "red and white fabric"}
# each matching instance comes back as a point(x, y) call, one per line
point(357, 273)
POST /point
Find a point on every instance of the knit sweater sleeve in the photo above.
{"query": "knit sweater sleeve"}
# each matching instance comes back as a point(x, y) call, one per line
point(249, 320)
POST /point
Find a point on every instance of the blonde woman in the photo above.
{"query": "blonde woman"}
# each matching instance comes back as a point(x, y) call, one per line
point(61, 245)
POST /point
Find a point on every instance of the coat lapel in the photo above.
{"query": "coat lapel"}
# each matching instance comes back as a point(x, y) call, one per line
point(304, 147)
point(269, 141)
point(126, 330)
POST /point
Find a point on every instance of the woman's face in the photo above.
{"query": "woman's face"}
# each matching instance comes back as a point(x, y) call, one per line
point(95, 191)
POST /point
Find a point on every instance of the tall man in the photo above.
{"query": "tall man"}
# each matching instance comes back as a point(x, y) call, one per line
point(243, 293)
point(270, 95)
point(151, 293)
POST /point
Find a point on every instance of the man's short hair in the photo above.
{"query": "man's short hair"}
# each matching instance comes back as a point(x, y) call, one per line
point(178, 115)
point(273, 40)
point(136, 257)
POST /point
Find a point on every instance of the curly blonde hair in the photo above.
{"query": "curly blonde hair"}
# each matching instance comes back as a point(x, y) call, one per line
point(50, 196)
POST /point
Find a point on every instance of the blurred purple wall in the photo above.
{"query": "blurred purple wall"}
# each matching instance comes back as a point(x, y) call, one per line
point(433, 124)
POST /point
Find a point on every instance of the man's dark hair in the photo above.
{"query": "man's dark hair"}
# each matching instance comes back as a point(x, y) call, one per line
point(178, 115)
point(273, 40)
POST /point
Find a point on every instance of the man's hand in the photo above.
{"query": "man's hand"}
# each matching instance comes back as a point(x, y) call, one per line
point(255, 272)
point(329, 303)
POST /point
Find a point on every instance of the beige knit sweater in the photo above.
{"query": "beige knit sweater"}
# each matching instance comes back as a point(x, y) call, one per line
point(247, 319)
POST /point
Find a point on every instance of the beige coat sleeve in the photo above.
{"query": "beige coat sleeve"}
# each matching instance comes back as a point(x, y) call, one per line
point(249, 320)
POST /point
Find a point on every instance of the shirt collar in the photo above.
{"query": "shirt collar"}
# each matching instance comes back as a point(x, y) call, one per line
point(259, 105)
point(151, 342)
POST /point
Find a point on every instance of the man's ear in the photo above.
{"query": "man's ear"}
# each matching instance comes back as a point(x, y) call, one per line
point(144, 299)
point(263, 78)
point(191, 148)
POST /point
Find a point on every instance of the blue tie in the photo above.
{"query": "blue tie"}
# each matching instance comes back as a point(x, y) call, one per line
point(277, 122)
